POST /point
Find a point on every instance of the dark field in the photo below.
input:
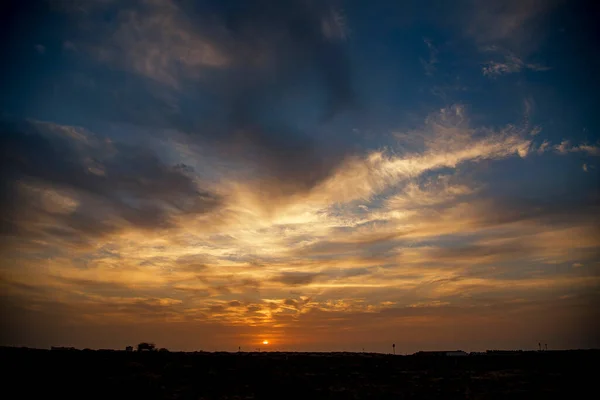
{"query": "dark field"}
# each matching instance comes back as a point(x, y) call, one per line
point(160, 375)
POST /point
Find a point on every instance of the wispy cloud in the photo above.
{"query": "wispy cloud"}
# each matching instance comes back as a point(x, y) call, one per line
point(545, 146)
point(565, 147)
point(158, 41)
point(446, 141)
point(512, 23)
point(510, 64)
point(430, 64)
point(334, 25)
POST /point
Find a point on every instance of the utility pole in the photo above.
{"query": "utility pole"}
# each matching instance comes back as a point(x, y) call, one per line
point(546, 346)
point(394, 348)
point(540, 346)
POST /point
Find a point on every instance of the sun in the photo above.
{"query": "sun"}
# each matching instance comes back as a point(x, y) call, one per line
point(265, 341)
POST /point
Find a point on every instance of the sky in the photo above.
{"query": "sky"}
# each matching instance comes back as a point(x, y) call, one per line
point(325, 175)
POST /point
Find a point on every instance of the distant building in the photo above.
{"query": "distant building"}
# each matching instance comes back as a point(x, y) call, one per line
point(451, 353)
point(430, 353)
point(504, 352)
point(129, 349)
point(456, 353)
point(145, 346)
point(59, 348)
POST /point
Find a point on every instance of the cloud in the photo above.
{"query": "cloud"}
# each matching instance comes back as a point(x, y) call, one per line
point(493, 69)
point(516, 24)
point(430, 65)
point(511, 64)
point(245, 61)
point(433, 192)
point(528, 105)
point(535, 131)
point(66, 182)
point(543, 147)
point(334, 25)
point(453, 257)
point(153, 38)
point(295, 278)
point(445, 141)
point(565, 147)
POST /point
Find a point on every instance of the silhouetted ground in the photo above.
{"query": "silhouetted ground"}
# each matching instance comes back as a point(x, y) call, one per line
point(85, 374)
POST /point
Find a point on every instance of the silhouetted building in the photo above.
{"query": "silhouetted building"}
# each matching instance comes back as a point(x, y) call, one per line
point(145, 346)
point(451, 353)
point(456, 353)
point(504, 352)
point(59, 348)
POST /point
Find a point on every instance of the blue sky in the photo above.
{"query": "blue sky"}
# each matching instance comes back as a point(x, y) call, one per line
point(235, 171)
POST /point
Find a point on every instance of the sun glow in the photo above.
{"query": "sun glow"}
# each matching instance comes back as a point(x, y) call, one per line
point(265, 342)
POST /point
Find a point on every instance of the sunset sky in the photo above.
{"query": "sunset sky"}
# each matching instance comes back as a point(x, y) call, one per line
point(323, 175)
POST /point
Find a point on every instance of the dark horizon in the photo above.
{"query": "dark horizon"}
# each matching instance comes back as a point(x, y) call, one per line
point(275, 350)
point(168, 375)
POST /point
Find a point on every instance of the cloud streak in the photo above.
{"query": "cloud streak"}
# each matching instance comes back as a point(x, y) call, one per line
point(515, 24)
point(511, 64)
point(430, 64)
point(565, 147)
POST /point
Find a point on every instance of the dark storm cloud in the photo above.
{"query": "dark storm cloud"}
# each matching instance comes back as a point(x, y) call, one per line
point(108, 180)
point(265, 54)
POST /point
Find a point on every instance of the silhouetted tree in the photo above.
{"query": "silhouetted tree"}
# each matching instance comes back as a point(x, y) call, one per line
point(144, 346)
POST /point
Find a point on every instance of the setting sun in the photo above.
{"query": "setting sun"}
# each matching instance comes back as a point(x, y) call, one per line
point(265, 342)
